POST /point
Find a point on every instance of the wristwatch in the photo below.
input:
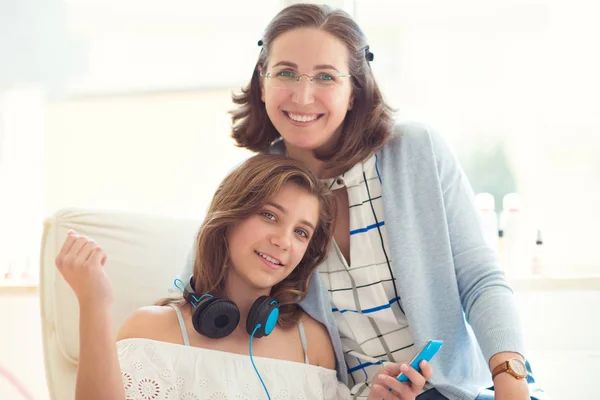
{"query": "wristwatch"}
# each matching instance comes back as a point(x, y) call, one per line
point(514, 366)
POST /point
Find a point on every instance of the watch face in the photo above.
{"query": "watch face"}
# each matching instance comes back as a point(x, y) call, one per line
point(518, 367)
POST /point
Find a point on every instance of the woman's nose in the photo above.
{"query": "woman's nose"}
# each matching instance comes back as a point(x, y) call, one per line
point(303, 92)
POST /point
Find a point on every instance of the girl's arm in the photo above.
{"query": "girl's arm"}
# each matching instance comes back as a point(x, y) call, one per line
point(98, 373)
point(80, 262)
point(320, 349)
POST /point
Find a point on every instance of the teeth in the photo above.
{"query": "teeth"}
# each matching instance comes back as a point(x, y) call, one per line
point(303, 118)
point(269, 259)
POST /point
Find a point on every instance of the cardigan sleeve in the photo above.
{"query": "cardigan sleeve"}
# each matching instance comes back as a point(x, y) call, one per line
point(487, 298)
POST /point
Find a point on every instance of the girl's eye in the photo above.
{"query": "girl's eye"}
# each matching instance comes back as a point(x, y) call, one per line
point(302, 233)
point(268, 215)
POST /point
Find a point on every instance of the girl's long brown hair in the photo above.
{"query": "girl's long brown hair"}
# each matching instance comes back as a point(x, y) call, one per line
point(369, 123)
point(243, 193)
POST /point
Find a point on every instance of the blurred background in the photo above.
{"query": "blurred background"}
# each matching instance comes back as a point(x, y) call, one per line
point(123, 104)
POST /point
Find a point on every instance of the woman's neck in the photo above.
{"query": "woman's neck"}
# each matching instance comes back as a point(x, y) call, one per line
point(316, 166)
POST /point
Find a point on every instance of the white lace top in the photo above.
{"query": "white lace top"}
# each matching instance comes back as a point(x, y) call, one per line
point(155, 370)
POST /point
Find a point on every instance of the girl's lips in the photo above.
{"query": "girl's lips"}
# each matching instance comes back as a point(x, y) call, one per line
point(268, 263)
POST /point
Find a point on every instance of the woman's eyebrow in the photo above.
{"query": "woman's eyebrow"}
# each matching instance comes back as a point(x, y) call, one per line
point(286, 64)
point(325, 66)
point(295, 66)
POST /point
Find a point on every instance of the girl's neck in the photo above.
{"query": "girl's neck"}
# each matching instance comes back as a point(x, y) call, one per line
point(244, 298)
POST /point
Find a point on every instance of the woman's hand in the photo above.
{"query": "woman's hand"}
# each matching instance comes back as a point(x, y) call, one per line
point(386, 380)
point(80, 262)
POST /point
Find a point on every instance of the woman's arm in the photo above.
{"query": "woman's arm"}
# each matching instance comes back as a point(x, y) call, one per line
point(486, 296)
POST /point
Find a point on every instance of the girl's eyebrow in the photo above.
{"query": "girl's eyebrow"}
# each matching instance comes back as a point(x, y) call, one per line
point(295, 66)
point(283, 210)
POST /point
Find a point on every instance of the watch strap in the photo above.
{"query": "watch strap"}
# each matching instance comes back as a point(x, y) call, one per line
point(503, 367)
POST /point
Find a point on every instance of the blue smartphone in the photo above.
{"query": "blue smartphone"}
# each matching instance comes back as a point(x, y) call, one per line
point(426, 353)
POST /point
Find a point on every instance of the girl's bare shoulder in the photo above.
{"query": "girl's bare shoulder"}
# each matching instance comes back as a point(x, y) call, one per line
point(318, 342)
point(151, 322)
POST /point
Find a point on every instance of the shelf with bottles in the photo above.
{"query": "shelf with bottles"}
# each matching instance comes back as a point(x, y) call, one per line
point(13, 285)
point(515, 237)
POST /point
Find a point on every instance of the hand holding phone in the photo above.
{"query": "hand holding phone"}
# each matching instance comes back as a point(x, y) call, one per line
point(425, 353)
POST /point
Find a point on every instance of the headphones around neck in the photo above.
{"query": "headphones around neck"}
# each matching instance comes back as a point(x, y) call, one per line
point(217, 317)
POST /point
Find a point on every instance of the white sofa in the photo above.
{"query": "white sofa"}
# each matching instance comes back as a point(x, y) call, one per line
point(145, 255)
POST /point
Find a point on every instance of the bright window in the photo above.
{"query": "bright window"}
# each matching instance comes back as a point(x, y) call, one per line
point(513, 87)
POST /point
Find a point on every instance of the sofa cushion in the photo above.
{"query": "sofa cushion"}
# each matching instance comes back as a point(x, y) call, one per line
point(145, 254)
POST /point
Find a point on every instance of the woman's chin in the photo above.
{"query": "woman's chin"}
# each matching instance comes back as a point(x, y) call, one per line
point(303, 144)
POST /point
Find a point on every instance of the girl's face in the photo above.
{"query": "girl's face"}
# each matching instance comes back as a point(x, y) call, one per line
point(308, 116)
point(266, 247)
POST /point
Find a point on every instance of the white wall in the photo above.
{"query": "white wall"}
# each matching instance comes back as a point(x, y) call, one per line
point(21, 343)
point(162, 154)
point(561, 338)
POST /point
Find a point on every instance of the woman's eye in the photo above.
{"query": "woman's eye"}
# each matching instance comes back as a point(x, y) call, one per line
point(325, 77)
point(286, 74)
point(268, 215)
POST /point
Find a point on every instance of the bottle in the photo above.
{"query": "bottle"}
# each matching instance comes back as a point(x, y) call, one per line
point(487, 210)
point(514, 236)
point(501, 242)
point(537, 260)
point(8, 275)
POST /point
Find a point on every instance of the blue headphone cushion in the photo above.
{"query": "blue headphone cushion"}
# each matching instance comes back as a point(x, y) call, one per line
point(264, 311)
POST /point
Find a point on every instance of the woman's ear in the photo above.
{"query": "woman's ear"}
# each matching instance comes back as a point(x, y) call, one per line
point(261, 81)
point(351, 103)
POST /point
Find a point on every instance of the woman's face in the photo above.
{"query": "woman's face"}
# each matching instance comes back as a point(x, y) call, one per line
point(266, 247)
point(308, 116)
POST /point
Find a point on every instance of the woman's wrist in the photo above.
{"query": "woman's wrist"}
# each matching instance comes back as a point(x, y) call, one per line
point(499, 358)
point(507, 386)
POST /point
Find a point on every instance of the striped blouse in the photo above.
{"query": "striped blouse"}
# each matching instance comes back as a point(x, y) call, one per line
point(364, 298)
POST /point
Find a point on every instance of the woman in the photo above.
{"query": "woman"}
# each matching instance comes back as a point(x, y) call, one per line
point(409, 262)
point(268, 228)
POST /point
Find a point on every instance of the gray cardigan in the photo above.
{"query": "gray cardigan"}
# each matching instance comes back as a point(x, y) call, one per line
point(448, 278)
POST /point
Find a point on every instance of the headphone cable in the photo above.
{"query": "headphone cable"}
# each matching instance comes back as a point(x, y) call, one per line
point(252, 360)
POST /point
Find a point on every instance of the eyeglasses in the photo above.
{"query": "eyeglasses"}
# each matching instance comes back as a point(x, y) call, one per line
point(289, 79)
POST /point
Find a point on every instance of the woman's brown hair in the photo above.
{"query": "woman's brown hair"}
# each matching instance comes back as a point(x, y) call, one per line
point(243, 193)
point(367, 125)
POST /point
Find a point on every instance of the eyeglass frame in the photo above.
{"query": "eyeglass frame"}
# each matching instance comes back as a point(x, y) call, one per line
point(310, 77)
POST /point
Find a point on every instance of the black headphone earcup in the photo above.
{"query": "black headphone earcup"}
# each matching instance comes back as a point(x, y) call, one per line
point(216, 317)
point(264, 311)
